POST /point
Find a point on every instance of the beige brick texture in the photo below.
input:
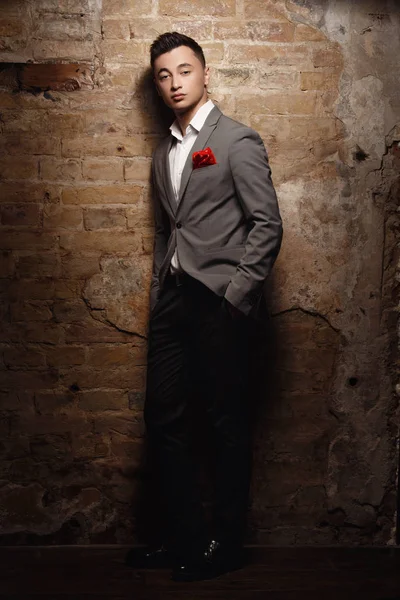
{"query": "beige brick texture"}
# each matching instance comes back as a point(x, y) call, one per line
point(221, 8)
point(79, 121)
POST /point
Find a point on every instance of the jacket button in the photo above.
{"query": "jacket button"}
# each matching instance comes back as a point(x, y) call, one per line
point(178, 225)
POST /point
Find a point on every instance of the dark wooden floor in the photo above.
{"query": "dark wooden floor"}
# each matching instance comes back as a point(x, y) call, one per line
point(99, 573)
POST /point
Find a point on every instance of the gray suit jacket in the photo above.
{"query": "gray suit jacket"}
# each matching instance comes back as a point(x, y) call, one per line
point(226, 226)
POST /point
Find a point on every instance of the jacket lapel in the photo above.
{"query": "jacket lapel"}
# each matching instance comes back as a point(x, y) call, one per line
point(166, 174)
point(200, 143)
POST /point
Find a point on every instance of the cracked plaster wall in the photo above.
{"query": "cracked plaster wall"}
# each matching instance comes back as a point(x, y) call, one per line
point(319, 81)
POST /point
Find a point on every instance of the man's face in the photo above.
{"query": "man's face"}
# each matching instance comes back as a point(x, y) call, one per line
point(181, 79)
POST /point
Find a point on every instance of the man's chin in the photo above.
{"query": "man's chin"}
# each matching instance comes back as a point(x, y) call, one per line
point(180, 107)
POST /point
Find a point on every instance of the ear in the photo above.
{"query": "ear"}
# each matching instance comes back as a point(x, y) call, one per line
point(206, 76)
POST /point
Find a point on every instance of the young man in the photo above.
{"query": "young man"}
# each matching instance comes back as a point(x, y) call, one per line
point(217, 234)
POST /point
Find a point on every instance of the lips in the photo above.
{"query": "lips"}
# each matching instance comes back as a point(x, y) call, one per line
point(178, 96)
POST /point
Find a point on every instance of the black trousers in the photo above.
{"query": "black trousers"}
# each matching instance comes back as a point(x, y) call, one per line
point(198, 351)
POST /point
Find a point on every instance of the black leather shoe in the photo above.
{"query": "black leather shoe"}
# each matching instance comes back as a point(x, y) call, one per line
point(216, 560)
point(156, 557)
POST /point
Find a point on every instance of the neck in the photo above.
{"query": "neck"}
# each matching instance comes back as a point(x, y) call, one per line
point(184, 118)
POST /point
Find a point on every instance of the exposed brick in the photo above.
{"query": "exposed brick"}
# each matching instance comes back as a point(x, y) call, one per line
point(62, 217)
point(213, 51)
point(64, 28)
point(16, 401)
point(62, 422)
point(137, 169)
point(19, 144)
point(66, 6)
point(64, 123)
point(188, 8)
point(28, 380)
point(64, 50)
point(94, 332)
point(278, 80)
point(10, 27)
point(274, 71)
point(118, 194)
point(116, 29)
point(21, 215)
point(195, 28)
point(140, 217)
point(148, 29)
point(104, 218)
point(232, 76)
point(123, 121)
point(116, 377)
point(54, 169)
point(36, 310)
point(79, 265)
point(123, 446)
point(23, 167)
point(301, 103)
point(325, 148)
point(136, 401)
point(90, 446)
point(123, 423)
point(53, 445)
point(254, 30)
point(263, 9)
point(305, 33)
point(273, 55)
point(7, 264)
point(64, 356)
point(328, 58)
point(23, 192)
point(20, 105)
point(282, 129)
point(32, 289)
point(24, 121)
point(318, 81)
point(108, 145)
point(39, 264)
point(123, 51)
point(24, 356)
point(65, 289)
point(126, 7)
point(93, 240)
point(13, 9)
point(27, 241)
point(97, 169)
point(63, 77)
point(105, 356)
point(114, 75)
point(148, 243)
point(70, 311)
point(50, 402)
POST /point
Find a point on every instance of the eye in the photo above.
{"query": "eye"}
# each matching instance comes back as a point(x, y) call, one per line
point(185, 72)
point(162, 77)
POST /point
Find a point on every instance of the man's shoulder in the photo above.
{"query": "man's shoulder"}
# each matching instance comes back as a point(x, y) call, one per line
point(236, 128)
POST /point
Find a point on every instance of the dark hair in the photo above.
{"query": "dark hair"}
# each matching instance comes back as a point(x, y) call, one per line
point(171, 40)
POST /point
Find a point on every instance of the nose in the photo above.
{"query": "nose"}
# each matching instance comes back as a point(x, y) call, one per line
point(175, 83)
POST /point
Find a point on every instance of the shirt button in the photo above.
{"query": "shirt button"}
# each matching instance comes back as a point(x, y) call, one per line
point(178, 225)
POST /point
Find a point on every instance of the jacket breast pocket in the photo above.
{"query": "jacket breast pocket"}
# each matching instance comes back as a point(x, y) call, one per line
point(204, 170)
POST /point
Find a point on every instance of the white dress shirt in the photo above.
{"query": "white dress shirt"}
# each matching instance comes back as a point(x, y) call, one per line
point(178, 155)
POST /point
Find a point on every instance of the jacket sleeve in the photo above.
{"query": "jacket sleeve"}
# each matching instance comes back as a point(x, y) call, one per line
point(160, 243)
point(255, 191)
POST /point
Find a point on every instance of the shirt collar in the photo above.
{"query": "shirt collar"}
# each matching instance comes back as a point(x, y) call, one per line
point(197, 121)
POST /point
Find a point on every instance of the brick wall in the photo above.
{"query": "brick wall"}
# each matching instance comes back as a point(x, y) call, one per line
point(79, 120)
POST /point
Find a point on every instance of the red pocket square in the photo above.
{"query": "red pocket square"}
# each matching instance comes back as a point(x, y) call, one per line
point(203, 158)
